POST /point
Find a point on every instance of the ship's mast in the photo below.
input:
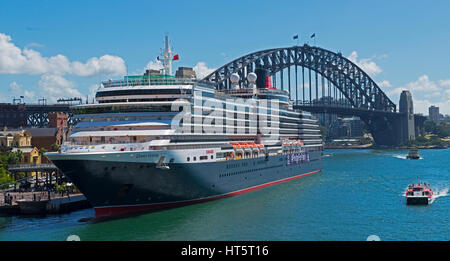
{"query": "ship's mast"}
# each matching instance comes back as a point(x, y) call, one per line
point(167, 54)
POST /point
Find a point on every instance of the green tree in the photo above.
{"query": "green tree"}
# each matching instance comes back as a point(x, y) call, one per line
point(441, 131)
point(11, 157)
point(429, 126)
point(19, 155)
point(5, 179)
point(55, 147)
point(42, 151)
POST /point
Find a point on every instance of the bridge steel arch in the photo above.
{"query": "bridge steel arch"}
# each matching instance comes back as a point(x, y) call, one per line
point(356, 85)
point(365, 97)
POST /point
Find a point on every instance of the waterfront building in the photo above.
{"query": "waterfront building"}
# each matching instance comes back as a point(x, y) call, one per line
point(46, 137)
point(15, 138)
point(30, 155)
point(355, 126)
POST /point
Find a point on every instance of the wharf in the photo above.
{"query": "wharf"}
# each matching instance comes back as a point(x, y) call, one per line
point(38, 203)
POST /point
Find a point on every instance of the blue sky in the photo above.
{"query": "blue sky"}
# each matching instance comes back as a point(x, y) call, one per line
point(65, 48)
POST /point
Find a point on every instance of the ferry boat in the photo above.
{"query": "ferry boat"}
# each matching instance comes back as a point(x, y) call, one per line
point(419, 194)
point(156, 141)
point(413, 154)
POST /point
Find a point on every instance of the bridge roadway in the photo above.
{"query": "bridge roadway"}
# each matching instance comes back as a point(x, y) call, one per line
point(32, 115)
point(384, 126)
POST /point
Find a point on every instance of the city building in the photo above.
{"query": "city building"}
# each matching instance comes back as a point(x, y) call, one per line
point(46, 137)
point(433, 114)
point(346, 127)
point(355, 126)
point(15, 138)
point(30, 155)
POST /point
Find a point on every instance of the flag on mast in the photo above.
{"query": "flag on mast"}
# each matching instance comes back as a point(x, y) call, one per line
point(176, 57)
point(296, 36)
point(313, 35)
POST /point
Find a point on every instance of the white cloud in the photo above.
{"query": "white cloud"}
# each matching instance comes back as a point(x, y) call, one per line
point(421, 106)
point(445, 83)
point(367, 65)
point(394, 92)
point(15, 88)
point(28, 94)
point(154, 65)
point(201, 70)
point(92, 91)
point(54, 86)
point(105, 65)
point(423, 84)
point(384, 83)
point(13, 60)
point(425, 92)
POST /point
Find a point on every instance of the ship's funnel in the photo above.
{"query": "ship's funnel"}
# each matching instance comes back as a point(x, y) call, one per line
point(261, 78)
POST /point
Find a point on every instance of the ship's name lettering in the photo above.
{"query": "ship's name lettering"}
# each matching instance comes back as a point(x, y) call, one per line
point(297, 158)
point(146, 156)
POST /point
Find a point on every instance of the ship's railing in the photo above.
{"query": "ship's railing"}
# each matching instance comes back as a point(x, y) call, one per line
point(127, 82)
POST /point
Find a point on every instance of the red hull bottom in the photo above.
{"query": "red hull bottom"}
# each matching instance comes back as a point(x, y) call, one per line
point(117, 211)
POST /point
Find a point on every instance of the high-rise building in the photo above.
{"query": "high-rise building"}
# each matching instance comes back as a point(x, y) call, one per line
point(433, 114)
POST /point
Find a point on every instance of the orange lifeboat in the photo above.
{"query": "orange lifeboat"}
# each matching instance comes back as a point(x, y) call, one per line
point(236, 145)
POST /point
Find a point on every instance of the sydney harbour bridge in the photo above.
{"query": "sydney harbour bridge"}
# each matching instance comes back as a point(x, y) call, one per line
point(322, 81)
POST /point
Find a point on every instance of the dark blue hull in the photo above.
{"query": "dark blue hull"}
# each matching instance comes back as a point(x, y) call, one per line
point(115, 188)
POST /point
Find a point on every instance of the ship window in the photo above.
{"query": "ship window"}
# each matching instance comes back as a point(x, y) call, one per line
point(195, 158)
point(212, 157)
point(188, 159)
point(203, 157)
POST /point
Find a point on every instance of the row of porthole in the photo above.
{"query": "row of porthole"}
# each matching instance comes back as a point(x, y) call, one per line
point(247, 171)
point(201, 158)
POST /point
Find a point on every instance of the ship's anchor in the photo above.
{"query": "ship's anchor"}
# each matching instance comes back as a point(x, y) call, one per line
point(161, 164)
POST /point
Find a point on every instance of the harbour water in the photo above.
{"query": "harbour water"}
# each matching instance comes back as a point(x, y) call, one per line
point(360, 193)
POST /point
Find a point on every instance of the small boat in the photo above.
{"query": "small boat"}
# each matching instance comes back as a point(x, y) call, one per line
point(419, 194)
point(413, 154)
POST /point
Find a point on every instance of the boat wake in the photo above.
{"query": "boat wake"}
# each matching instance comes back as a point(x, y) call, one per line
point(440, 193)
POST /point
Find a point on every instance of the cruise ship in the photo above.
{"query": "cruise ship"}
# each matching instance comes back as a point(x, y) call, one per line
point(157, 141)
